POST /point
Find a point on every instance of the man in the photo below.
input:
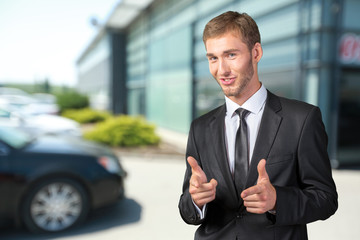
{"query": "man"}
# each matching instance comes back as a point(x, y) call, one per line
point(285, 181)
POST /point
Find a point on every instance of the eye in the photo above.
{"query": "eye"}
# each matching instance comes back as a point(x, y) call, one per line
point(231, 55)
point(212, 59)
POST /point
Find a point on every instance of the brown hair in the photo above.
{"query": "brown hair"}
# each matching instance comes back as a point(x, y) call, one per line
point(238, 23)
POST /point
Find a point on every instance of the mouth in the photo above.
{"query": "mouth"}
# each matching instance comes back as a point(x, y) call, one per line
point(227, 81)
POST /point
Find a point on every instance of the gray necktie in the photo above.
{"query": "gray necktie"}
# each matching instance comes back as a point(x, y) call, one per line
point(241, 152)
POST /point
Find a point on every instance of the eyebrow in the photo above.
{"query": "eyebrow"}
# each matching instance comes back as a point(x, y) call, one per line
point(225, 52)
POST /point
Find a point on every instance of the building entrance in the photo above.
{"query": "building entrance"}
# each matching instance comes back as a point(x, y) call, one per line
point(349, 118)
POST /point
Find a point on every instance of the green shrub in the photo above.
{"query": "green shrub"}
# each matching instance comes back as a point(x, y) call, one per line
point(124, 131)
point(72, 100)
point(86, 115)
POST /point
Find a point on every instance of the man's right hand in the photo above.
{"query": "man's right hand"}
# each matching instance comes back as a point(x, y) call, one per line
point(200, 189)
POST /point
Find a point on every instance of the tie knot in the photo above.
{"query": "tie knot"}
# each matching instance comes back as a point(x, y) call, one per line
point(242, 112)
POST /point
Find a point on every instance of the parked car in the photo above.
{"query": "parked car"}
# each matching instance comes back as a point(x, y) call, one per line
point(49, 183)
point(38, 124)
point(31, 104)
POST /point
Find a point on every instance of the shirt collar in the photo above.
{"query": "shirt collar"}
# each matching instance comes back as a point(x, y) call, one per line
point(254, 104)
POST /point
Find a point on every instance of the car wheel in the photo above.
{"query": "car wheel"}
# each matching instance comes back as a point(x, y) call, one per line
point(55, 205)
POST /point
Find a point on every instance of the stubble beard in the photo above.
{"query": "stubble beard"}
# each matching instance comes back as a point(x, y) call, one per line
point(235, 91)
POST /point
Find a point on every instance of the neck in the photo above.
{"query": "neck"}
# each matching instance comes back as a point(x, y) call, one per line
point(247, 93)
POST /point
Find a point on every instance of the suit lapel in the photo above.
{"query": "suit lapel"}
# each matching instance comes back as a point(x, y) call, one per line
point(269, 126)
point(217, 128)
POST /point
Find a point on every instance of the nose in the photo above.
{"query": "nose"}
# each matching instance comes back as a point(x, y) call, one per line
point(224, 68)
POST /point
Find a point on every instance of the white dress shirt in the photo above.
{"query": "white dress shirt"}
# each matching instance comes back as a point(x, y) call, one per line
point(255, 105)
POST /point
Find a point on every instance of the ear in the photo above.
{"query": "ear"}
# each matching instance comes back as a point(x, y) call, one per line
point(257, 52)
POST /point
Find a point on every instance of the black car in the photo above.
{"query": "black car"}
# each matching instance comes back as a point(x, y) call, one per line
point(49, 183)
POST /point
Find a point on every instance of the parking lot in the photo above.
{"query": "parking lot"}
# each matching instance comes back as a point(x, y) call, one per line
point(150, 208)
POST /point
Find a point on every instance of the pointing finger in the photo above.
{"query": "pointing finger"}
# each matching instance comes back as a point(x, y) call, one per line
point(196, 171)
point(194, 164)
point(214, 182)
point(250, 191)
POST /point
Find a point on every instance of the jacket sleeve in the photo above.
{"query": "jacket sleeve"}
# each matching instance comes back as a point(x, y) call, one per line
point(187, 209)
point(316, 197)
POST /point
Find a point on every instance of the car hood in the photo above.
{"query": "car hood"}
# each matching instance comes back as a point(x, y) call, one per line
point(67, 145)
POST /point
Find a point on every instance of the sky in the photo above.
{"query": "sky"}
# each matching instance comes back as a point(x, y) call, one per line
point(42, 39)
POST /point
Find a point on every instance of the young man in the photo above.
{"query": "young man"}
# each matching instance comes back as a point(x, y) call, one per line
point(257, 167)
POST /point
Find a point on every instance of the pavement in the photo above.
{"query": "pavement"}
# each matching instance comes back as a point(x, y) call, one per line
point(153, 188)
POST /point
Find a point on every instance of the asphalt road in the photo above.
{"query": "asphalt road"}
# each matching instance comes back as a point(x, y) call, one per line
point(150, 209)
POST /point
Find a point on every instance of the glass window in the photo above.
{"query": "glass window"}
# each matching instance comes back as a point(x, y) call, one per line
point(351, 14)
point(202, 69)
point(136, 100)
point(316, 14)
point(280, 24)
point(168, 89)
point(207, 6)
point(312, 87)
point(280, 54)
point(314, 46)
point(208, 95)
point(168, 99)
point(328, 42)
point(259, 7)
point(330, 10)
point(280, 82)
point(171, 51)
point(200, 51)
point(97, 54)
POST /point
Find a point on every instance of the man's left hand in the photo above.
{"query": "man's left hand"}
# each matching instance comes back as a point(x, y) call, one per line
point(261, 197)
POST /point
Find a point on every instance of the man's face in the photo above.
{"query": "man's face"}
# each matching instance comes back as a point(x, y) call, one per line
point(230, 63)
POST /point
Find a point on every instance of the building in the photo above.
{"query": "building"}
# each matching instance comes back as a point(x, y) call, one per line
point(149, 59)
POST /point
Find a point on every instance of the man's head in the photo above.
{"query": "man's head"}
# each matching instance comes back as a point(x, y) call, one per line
point(232, 42)
point(239, 24)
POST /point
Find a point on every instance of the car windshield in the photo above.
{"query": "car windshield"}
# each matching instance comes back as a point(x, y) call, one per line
point(14, 137)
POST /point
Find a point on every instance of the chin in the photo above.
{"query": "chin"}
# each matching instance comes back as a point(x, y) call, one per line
point(230, 92)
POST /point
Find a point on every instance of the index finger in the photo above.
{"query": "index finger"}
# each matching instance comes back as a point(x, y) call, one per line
point(250, 191)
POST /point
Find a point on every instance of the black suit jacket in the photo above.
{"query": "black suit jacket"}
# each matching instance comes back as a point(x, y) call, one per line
point(293, 140)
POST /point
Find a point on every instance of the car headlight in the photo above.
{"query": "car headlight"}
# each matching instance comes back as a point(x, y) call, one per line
point(111, 164)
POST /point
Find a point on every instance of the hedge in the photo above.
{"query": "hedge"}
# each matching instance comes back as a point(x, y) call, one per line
point(86, 115)
point(124, 131)
point(72, 100)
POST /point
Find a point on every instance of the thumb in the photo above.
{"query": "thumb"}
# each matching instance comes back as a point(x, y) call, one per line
point(262, 170)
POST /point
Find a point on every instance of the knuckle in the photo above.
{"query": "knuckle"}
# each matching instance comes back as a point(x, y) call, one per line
point(264, 197)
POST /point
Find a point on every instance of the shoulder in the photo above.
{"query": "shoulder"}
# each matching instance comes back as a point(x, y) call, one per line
point(291, 106)
point(213, 114)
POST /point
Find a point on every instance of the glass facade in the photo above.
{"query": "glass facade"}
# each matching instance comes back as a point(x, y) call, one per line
point(348, 87)
point(167, 76)
point(137, 66)
point(160, 78)
point(94, 75)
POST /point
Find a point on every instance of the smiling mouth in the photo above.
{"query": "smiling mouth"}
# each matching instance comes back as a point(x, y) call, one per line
point(227, 81)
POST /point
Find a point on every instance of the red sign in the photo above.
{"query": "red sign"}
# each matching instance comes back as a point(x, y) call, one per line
point(350, 49)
